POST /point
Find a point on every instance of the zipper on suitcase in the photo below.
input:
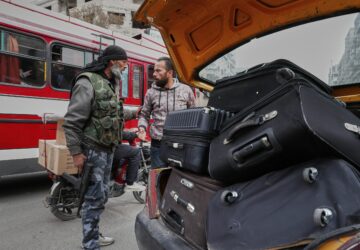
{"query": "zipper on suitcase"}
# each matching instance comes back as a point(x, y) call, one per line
point(192, 138)
point(250, 122)
point(292, 84)
point(260, 103)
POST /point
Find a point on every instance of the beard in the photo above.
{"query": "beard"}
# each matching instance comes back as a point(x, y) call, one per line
point(116, 72)
point(161, 83)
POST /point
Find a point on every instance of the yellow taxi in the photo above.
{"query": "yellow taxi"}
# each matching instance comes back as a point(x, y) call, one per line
point(210, 41)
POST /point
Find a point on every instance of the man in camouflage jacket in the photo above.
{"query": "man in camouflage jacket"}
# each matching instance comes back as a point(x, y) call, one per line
point(165, 95)
point(93, 126)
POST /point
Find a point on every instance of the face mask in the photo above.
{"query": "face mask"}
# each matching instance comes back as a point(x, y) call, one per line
point(115, 70)
point(161, 83)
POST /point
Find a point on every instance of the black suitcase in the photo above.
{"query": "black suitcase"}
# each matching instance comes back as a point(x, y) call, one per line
point(184, 204)
point(244, 89)
point(187, 136)
point(285, 207)
point(294, 124)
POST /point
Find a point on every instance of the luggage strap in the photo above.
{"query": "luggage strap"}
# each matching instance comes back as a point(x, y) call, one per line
point(249, 123)
point(353, 128)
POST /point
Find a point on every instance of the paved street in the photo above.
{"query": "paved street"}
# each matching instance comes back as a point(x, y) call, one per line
point(26, 224)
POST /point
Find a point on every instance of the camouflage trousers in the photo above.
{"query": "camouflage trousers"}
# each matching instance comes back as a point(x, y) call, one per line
point(96, 196)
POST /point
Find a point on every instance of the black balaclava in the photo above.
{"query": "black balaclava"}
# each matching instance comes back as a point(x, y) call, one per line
point(112, 52)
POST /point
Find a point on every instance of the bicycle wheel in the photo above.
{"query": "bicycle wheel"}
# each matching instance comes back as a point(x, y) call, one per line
point(143, 174)
point(63, 201)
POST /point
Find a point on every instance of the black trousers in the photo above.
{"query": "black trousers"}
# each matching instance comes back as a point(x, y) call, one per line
point(132, 155)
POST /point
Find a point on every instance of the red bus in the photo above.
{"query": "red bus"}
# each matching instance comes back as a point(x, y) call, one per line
point(40, 52)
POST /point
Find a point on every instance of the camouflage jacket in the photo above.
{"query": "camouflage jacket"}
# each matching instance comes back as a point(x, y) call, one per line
point(160, 101)
point(80, 111)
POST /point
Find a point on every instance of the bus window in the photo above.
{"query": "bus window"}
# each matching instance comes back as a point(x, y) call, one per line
point(22, 59)
point(138, 80)
point(88, 57)
point(72, 56)
point(66, 63)
point(125, 83)
point(24, 45)
point(32, 72)
point(150, 77)
point(62, 75)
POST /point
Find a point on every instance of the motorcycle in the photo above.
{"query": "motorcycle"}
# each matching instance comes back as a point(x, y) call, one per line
point(64, 197)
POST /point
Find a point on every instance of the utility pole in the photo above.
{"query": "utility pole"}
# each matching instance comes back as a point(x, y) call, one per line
point(67, 7)
point(63, 3)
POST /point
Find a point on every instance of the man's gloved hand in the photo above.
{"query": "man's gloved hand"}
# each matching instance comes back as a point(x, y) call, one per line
point(129, 135)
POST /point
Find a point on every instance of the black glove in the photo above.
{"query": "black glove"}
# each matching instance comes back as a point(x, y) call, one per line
point(129, 136)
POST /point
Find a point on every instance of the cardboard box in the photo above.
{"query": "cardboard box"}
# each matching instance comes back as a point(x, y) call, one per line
point(42, 157)
point(56, 158)
point(60, 134)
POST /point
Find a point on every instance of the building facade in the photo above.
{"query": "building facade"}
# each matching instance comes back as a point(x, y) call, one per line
point(111, 14)
point(345, 71)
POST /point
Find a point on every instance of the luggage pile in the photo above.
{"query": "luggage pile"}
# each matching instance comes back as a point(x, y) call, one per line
point(273, 162)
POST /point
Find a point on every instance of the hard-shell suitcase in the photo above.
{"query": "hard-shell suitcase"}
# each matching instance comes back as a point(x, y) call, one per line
point(237, 92)
point(294, 124)
point(184, 204)
point(187, 136)
point(288, 206)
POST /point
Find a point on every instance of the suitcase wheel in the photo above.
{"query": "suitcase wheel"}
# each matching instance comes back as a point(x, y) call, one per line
point(310, 175)
point(322, 216)
point(284, 75)
point(229, 197)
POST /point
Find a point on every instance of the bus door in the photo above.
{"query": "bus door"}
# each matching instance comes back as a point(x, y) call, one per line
point(135, 86)
point(131, 88)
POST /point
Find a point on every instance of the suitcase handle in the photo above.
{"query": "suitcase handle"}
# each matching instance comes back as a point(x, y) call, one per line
point(255, 147)
point(174, 163)
point(187, 205)
point(353, 128)
point(174, 221)
point(249, 123)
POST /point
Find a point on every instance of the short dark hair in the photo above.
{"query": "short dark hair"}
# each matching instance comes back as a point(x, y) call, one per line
point(168, 63)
